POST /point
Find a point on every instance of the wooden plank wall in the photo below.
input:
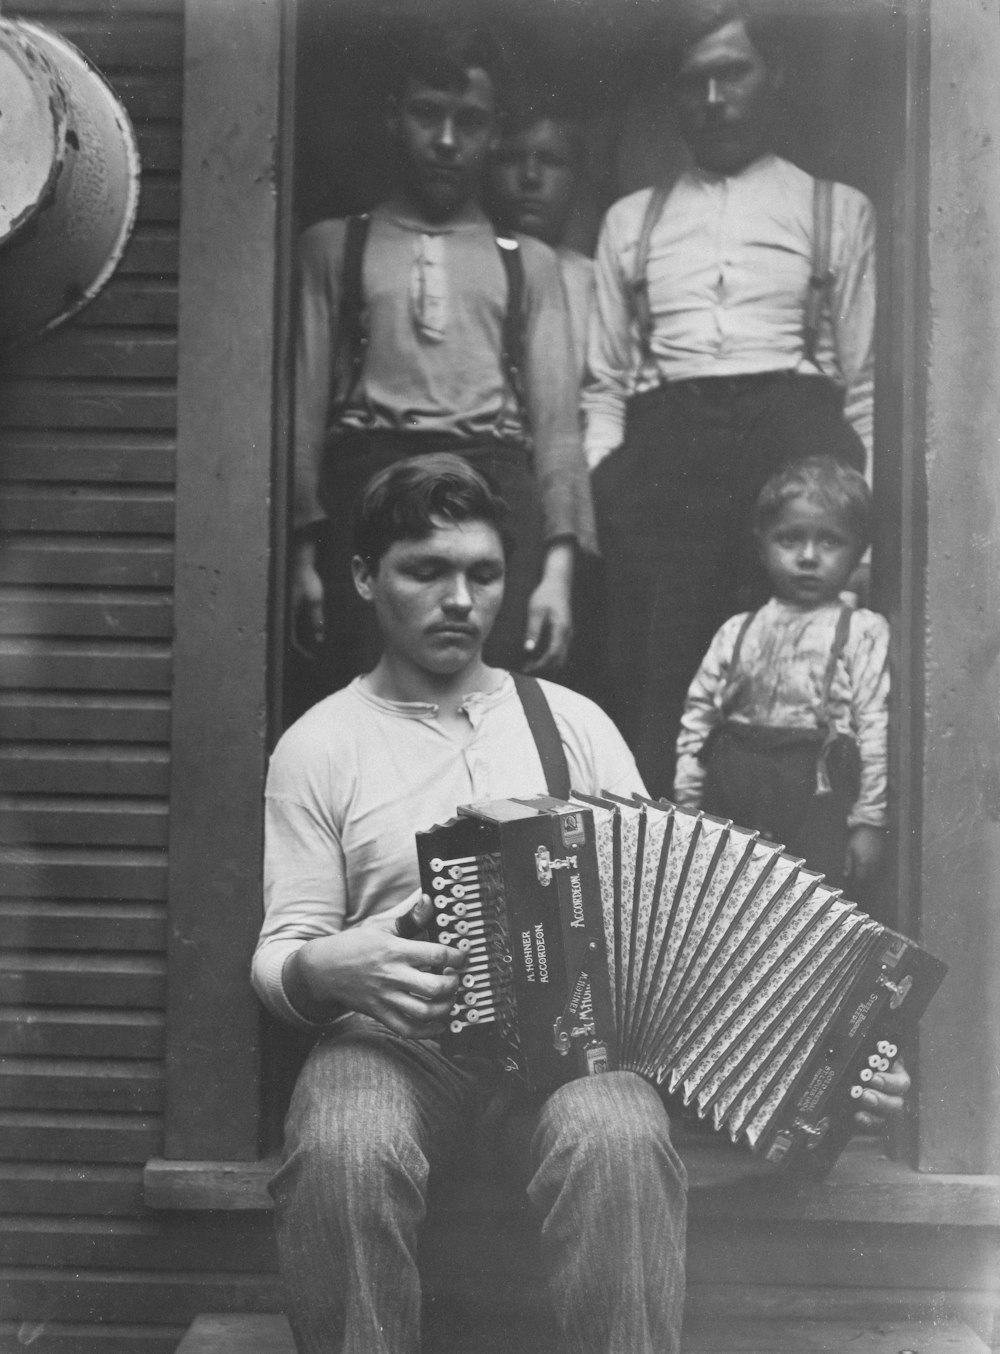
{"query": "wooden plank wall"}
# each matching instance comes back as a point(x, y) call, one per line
point(87, 437)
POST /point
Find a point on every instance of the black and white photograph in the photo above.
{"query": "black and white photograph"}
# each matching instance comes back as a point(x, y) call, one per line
point(499, 676)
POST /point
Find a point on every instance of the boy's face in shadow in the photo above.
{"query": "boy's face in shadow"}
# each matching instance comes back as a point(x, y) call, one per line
point(533, 176)
point(443, 137)
point(809, 552)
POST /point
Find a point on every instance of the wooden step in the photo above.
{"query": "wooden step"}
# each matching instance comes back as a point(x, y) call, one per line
point(725, 1334)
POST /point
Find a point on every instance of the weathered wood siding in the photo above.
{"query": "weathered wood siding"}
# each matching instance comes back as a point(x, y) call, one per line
point(87, 442)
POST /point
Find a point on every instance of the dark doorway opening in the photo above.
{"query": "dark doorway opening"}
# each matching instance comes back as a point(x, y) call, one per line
point(848, 114)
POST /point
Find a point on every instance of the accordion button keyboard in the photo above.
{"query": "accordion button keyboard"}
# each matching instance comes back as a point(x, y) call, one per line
point(460, 924)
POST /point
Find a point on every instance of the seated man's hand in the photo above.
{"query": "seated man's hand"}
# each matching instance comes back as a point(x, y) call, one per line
point(882, 1098)
point(409, 985)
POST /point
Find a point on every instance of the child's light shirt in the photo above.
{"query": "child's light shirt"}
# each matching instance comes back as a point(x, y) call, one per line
point(782, 663)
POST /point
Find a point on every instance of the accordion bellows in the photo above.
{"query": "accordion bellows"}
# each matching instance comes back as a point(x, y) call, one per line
point(604, 933)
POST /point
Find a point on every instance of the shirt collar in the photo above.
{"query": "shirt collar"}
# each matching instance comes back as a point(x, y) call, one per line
point(475, 704)
point(756, 168)
point(404, 221)
point(781, 606)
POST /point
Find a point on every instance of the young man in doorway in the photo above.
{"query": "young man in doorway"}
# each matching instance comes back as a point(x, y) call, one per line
point(378, 1105)
point(533, 179)
point(420, 330)
point(706, 376)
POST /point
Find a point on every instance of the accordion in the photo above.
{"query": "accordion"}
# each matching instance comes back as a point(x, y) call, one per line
point(605, 933)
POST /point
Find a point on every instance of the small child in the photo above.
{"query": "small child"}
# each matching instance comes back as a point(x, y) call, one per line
point(784, 728)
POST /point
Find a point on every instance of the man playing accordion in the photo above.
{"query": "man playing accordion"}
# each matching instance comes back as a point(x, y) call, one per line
point(377, 1105)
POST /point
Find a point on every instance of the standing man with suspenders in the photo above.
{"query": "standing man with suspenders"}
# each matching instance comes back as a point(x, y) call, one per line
point(733, 332)
point(421, 330)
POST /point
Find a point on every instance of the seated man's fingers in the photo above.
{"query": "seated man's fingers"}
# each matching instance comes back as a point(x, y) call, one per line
point(426, 954)
point(416, 919)
point(896, 1081)
point(432, 986)
point(415, 1018)
point(883, 1097)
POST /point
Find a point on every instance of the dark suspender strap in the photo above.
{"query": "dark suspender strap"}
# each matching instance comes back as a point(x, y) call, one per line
point(734, 662)
point(840, 636)
point(821, 278)
point(639, 285)
point(545, 732)
point(351, 337)
point(512, 339)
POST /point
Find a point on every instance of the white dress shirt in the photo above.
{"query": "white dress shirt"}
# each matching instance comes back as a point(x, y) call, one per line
point(728, 272)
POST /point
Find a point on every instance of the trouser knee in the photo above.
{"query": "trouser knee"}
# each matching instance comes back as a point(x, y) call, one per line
point(609, 1128)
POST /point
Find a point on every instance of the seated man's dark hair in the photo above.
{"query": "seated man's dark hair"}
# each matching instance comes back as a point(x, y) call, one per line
point(838, 487)
point(404, 501)
point(440, 53)
point(693, 20)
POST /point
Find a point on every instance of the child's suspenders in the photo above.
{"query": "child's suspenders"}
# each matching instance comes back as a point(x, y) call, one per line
point(823, 721)
point(820, 280)
point(352, 339)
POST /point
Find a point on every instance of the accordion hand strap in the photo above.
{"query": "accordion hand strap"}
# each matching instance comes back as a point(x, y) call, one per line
point(545, 732)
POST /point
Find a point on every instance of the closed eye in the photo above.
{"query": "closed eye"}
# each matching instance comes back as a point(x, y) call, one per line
point(486, 575)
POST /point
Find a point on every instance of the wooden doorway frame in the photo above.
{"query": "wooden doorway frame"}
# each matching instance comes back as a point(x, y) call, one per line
point(233, 430)
point(232, 434)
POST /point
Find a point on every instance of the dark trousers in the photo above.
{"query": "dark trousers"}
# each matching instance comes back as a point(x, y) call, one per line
point(766, 778)
point(673, 509)
point(352, 644)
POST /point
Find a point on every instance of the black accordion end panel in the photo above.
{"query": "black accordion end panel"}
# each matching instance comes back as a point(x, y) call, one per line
point(515, 884)
point(606, 933)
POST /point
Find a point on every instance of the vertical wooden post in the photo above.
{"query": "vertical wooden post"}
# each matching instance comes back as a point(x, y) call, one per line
point(228, 394)
point(960, 1044)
